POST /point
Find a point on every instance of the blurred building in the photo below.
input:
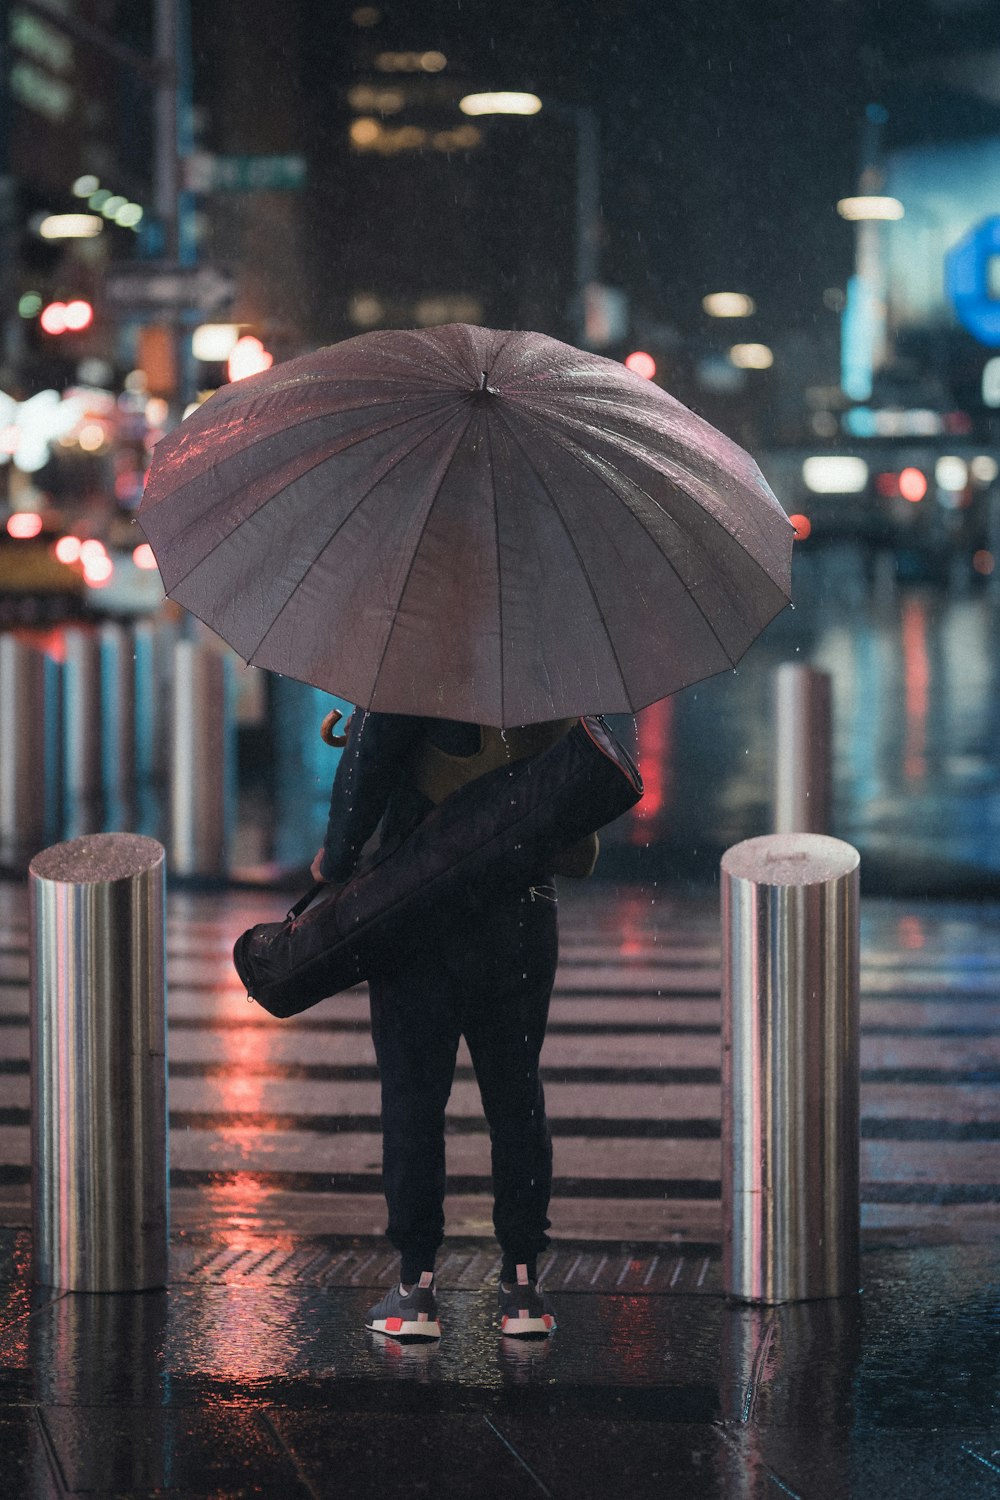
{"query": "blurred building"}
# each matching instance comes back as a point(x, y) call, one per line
point(919, 337)
point(63, 102)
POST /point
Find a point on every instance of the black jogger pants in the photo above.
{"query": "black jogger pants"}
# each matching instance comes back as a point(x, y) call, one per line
point(487, 975)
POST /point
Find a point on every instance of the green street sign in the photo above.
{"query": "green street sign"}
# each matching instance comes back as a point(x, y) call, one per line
point(208, 173)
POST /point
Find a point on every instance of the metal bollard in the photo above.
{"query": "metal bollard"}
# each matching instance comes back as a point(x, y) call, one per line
point(29, 749)
point(802, 750)
point(203, 763)
point(82, 737)
point(790, 1068)
point(98, 1064)
point(118, 738)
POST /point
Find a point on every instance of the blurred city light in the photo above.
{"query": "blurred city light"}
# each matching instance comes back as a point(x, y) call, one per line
point(411, 62)
point(367, 134)
point(157, 410)
point(70, 227)
point(365, 131)
point(365, 310)
point(249, 357)
point(91, 437)
point(66, 317)
point(991, 382)
point(130, 215)
point(728, 305)
point(214, 342)
point(835, 474)
point(870, 206)
point(85, 185)
point(24, 524)
point(751, 356)
point(384, 99)
point(951, 473)
point(505, 103)
point(67, 549)
point(984, 469)
point(143, 556)
point(982, 562)
point(912, 484)
point(366, 15)
point(802, 525)
point(92, 551)
point(641, 363)
point(111, 205)
point(29, 305)
point(98, 572)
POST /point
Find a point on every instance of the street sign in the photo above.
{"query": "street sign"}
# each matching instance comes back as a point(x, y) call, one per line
point(205, 172)
point(163, 287)
point(970, 282)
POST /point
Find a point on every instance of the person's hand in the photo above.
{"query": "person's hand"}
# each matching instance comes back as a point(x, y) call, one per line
point(314, 869)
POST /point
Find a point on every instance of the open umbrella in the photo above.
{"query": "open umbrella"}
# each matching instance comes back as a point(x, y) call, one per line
point(481, 525)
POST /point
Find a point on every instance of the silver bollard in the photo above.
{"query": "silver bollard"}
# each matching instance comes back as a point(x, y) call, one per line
point(790, 1068)
point(29, 749)
point(203, 762)
point(82, 736)
point(802, 750)
point(98, 1064)
point(118, 738)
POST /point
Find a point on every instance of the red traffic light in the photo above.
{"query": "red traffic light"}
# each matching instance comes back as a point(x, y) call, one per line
point(66, 317)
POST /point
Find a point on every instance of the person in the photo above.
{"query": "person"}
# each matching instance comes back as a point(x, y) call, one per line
point(480, 971)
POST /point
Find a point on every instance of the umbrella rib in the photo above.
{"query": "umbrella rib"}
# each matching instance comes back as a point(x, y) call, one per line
point(413, 558)
point(582, 460)
point(327, 540)
point(273, 495)
point(496, 533)
point(290, 427)
point(579, 558)
point(533, 411)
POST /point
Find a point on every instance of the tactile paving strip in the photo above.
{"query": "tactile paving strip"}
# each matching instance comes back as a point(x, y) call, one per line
point(571, 1269)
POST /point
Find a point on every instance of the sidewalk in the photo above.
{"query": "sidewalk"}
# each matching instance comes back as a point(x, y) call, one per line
point(254, 1376)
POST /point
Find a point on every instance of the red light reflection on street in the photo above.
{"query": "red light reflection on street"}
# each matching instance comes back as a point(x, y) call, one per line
point(654, 726)
point(916, 679)
point(238, 1197)
point(911, 932)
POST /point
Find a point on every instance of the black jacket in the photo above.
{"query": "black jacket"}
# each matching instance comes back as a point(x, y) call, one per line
point(371, 782)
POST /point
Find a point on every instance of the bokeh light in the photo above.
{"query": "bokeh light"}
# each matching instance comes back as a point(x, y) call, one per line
point(641, 363)
point(24, 524)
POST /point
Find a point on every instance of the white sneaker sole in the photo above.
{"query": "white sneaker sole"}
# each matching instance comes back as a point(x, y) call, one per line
point(423, 1331)
point(528, 1328)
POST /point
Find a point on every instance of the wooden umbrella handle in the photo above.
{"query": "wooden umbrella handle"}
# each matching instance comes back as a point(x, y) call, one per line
point(329, 724)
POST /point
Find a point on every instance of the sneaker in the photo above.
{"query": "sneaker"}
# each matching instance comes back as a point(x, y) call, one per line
point(524, 1310)
point(407, 1316)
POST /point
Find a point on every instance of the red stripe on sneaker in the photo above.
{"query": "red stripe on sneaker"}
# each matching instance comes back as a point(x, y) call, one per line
point(393, 1325)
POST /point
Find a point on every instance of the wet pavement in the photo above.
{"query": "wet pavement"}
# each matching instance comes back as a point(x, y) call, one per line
point(252, 1375)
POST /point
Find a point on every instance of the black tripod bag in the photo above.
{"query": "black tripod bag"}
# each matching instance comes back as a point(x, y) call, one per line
point(499, 833)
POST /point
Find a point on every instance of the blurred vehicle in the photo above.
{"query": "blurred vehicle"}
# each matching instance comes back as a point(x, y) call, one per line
point(36, 586)
point(929, 506)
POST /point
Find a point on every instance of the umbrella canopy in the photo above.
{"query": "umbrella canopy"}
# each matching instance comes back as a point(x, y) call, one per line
point(474, 524)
